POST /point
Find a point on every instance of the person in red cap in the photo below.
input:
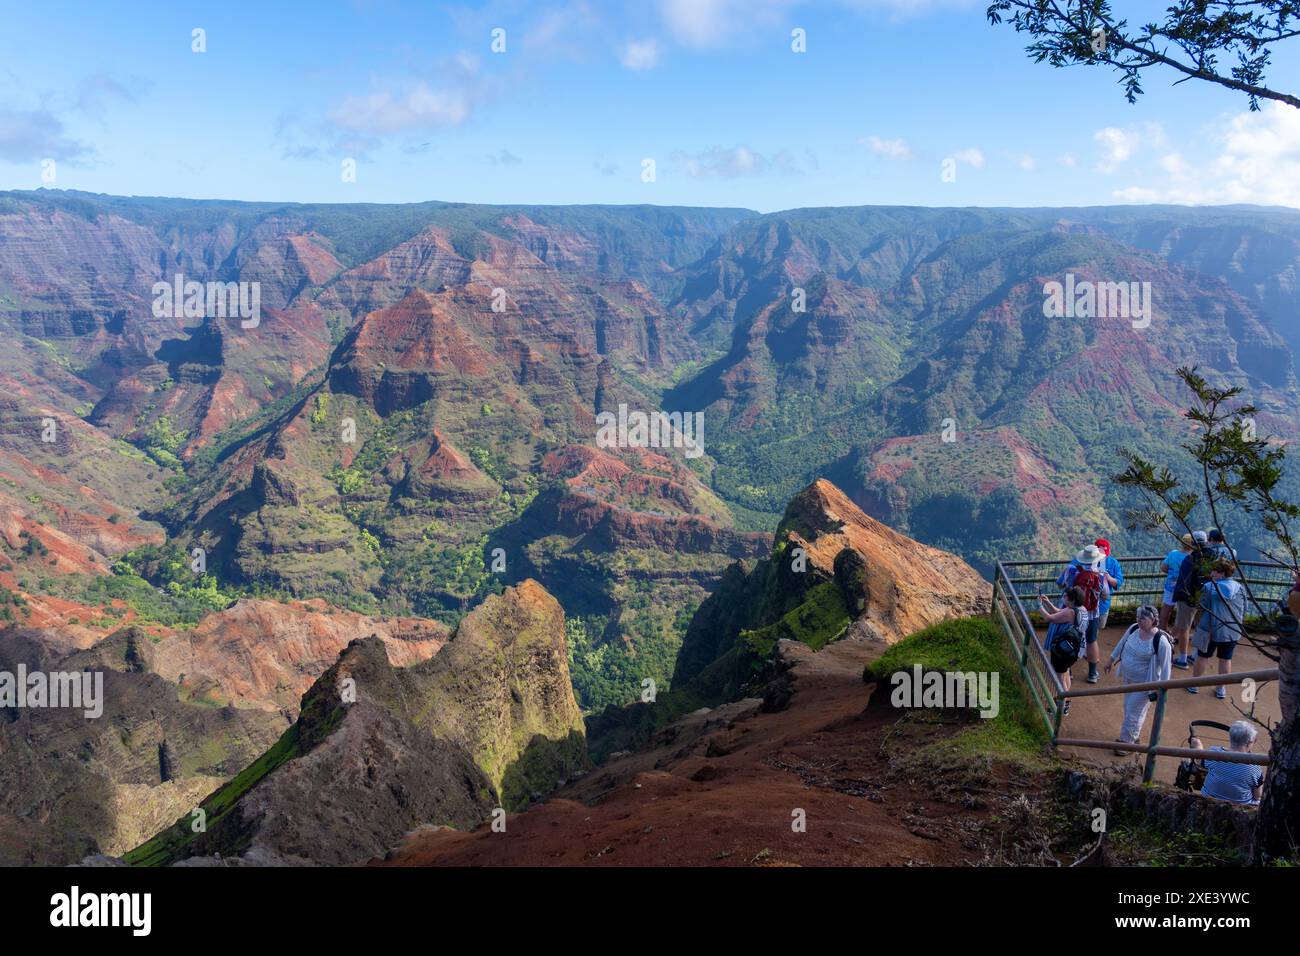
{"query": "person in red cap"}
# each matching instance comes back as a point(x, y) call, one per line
point(1115, 578)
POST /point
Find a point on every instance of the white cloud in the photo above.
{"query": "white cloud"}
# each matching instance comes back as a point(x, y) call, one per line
point(1118, 146)
point(1257, 160)
point(37, 129)
point(888, 148)
point(639, 54)
point(713, 23)
point(1069, 160)
point(445, 97)
point(735, 162)
point(567, 32)
point(384, 111)
point(1027, 162)
point(27, 135)
point(1137, 194)
point(971, 157)
point(1174, 165)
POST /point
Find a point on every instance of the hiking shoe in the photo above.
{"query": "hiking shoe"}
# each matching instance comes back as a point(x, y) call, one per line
point(1182, 663)
point(1093, 676)
point(1193, 690)
point(1220, 693)
point(1065, 709)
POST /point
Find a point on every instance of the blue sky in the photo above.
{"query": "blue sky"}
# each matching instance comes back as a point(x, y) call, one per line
point(586, 91)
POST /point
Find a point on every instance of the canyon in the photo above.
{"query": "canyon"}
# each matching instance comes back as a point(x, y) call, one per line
point(885, 403)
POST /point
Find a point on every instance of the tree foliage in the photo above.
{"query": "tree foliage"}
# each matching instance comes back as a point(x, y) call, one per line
point(1238, 471)
point(1227, 42)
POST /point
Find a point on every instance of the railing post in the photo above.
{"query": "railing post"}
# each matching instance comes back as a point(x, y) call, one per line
point(1149, 773)
point(1024, 650)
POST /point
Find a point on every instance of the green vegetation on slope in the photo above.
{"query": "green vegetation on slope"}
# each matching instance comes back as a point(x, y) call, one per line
point(966, 645)
point(166, 846)
point(820, 619)
point(612, 672)
point(321, 713)
point(157, 583)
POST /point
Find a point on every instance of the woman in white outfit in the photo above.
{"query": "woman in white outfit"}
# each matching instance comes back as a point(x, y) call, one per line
point(1144, 654)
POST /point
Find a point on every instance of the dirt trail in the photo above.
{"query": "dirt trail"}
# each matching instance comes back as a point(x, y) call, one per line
point(723, 792)
point(1099, 718)
point(720, 787)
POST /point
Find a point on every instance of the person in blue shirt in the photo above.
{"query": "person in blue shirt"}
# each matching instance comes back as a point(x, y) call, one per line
point(1192, 575)
point(1234, 782)
point(1223, 604)
point(1170, 566)
point(1216, 547)
point(1114, 575)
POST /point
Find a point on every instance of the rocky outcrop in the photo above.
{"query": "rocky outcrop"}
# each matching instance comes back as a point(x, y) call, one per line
point(378, 750)
point(835, 574)
point(899, 585)
point(606, 527)
point(501, 689)
point(267, 654)
point(71, 785)
point(185, 710)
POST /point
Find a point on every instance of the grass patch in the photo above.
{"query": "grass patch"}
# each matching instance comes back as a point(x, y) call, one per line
point(972, 644)
point(1148, 845)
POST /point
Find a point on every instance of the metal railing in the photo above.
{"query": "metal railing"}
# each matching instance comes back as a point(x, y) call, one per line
point(1143, 580)
point(1049, 695)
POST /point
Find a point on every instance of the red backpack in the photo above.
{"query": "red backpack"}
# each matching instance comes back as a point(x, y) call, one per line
point(1089, 582)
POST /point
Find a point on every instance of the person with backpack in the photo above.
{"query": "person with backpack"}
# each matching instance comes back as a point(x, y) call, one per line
point(1113, 572)
point(1223, 603)
point(1066, 630)
point(1171, 565)
point(1216, 547)
point(1144, 654)
point(1187, 590)
point(1086, 572)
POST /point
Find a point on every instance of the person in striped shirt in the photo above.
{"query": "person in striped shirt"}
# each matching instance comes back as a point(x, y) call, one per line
point(1234, 782)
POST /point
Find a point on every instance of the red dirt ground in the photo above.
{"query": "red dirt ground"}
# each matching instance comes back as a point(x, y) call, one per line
point(726, 796)
point(722, 791)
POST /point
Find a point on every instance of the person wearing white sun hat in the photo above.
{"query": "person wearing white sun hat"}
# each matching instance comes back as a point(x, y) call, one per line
point(1087, 571)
